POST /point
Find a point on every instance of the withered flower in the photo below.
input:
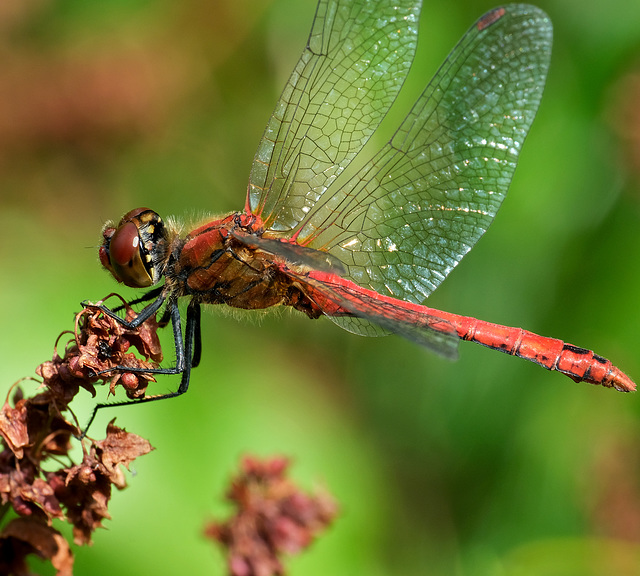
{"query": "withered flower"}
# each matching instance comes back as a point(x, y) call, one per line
point(273, 517)
point(39, 482)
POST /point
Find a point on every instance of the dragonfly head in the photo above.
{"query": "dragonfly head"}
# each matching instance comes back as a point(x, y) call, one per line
point(134, 251)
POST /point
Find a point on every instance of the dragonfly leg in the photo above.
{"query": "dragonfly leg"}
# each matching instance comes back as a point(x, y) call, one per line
point(190, 349)
point(142, 316)
point(194, 314)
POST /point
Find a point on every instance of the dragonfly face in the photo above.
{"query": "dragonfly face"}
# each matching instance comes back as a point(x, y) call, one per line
point(135, 251)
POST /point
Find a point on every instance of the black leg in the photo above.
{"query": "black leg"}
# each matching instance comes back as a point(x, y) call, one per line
point(142, 316)
point(150, 295)
point(188, 353)
point(197, 338)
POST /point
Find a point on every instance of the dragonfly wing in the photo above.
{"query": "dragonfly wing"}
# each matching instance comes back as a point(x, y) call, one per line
point(364, 314)
point(359, 326)
point(357, 57)
point(291, 253)
point(404, 221)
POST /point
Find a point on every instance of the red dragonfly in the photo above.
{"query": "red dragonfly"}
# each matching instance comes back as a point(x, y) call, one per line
point(364, 249)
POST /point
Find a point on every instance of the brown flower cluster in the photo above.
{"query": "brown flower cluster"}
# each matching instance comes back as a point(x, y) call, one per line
point(103, 344)
point(39, 481)
point(273, 517)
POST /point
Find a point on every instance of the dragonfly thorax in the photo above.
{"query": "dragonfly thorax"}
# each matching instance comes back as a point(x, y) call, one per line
point(135, 251)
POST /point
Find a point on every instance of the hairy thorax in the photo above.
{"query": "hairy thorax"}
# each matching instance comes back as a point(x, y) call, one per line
point(217, 264)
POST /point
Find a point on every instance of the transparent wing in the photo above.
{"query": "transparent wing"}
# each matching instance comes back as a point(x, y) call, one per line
point(363, 313)
point(292, 253)
point(357, 57)
point(410, 215)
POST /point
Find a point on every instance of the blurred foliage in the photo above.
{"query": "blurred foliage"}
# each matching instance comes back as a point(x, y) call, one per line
point(487, 466)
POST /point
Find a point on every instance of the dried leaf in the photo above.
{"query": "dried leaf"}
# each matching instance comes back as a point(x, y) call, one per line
point(24, 536)
point(13, 427)
point(120, 447)
point(85, 492)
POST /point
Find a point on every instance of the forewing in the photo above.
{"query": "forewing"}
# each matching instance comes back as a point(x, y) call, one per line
point(357, 57)
point(410, 215)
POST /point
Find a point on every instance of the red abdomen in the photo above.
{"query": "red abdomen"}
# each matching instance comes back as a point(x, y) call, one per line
point(580, 364)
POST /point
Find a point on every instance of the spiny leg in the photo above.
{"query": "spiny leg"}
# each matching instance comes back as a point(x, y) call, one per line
point(187, 351)
point(142, 316)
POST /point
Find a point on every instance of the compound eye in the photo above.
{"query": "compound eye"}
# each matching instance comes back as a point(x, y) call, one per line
point(136, 250)
point(126, 257)
point(125, 245)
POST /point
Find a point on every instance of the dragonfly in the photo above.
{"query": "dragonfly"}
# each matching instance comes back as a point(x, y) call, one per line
point(363, 247)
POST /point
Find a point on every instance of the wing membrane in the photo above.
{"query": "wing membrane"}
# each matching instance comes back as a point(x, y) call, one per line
point(357, 57)
point(410, 215)
point(363, 313)
point(292, 253)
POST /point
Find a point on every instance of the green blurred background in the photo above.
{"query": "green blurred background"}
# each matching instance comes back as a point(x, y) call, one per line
point(486, 466)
